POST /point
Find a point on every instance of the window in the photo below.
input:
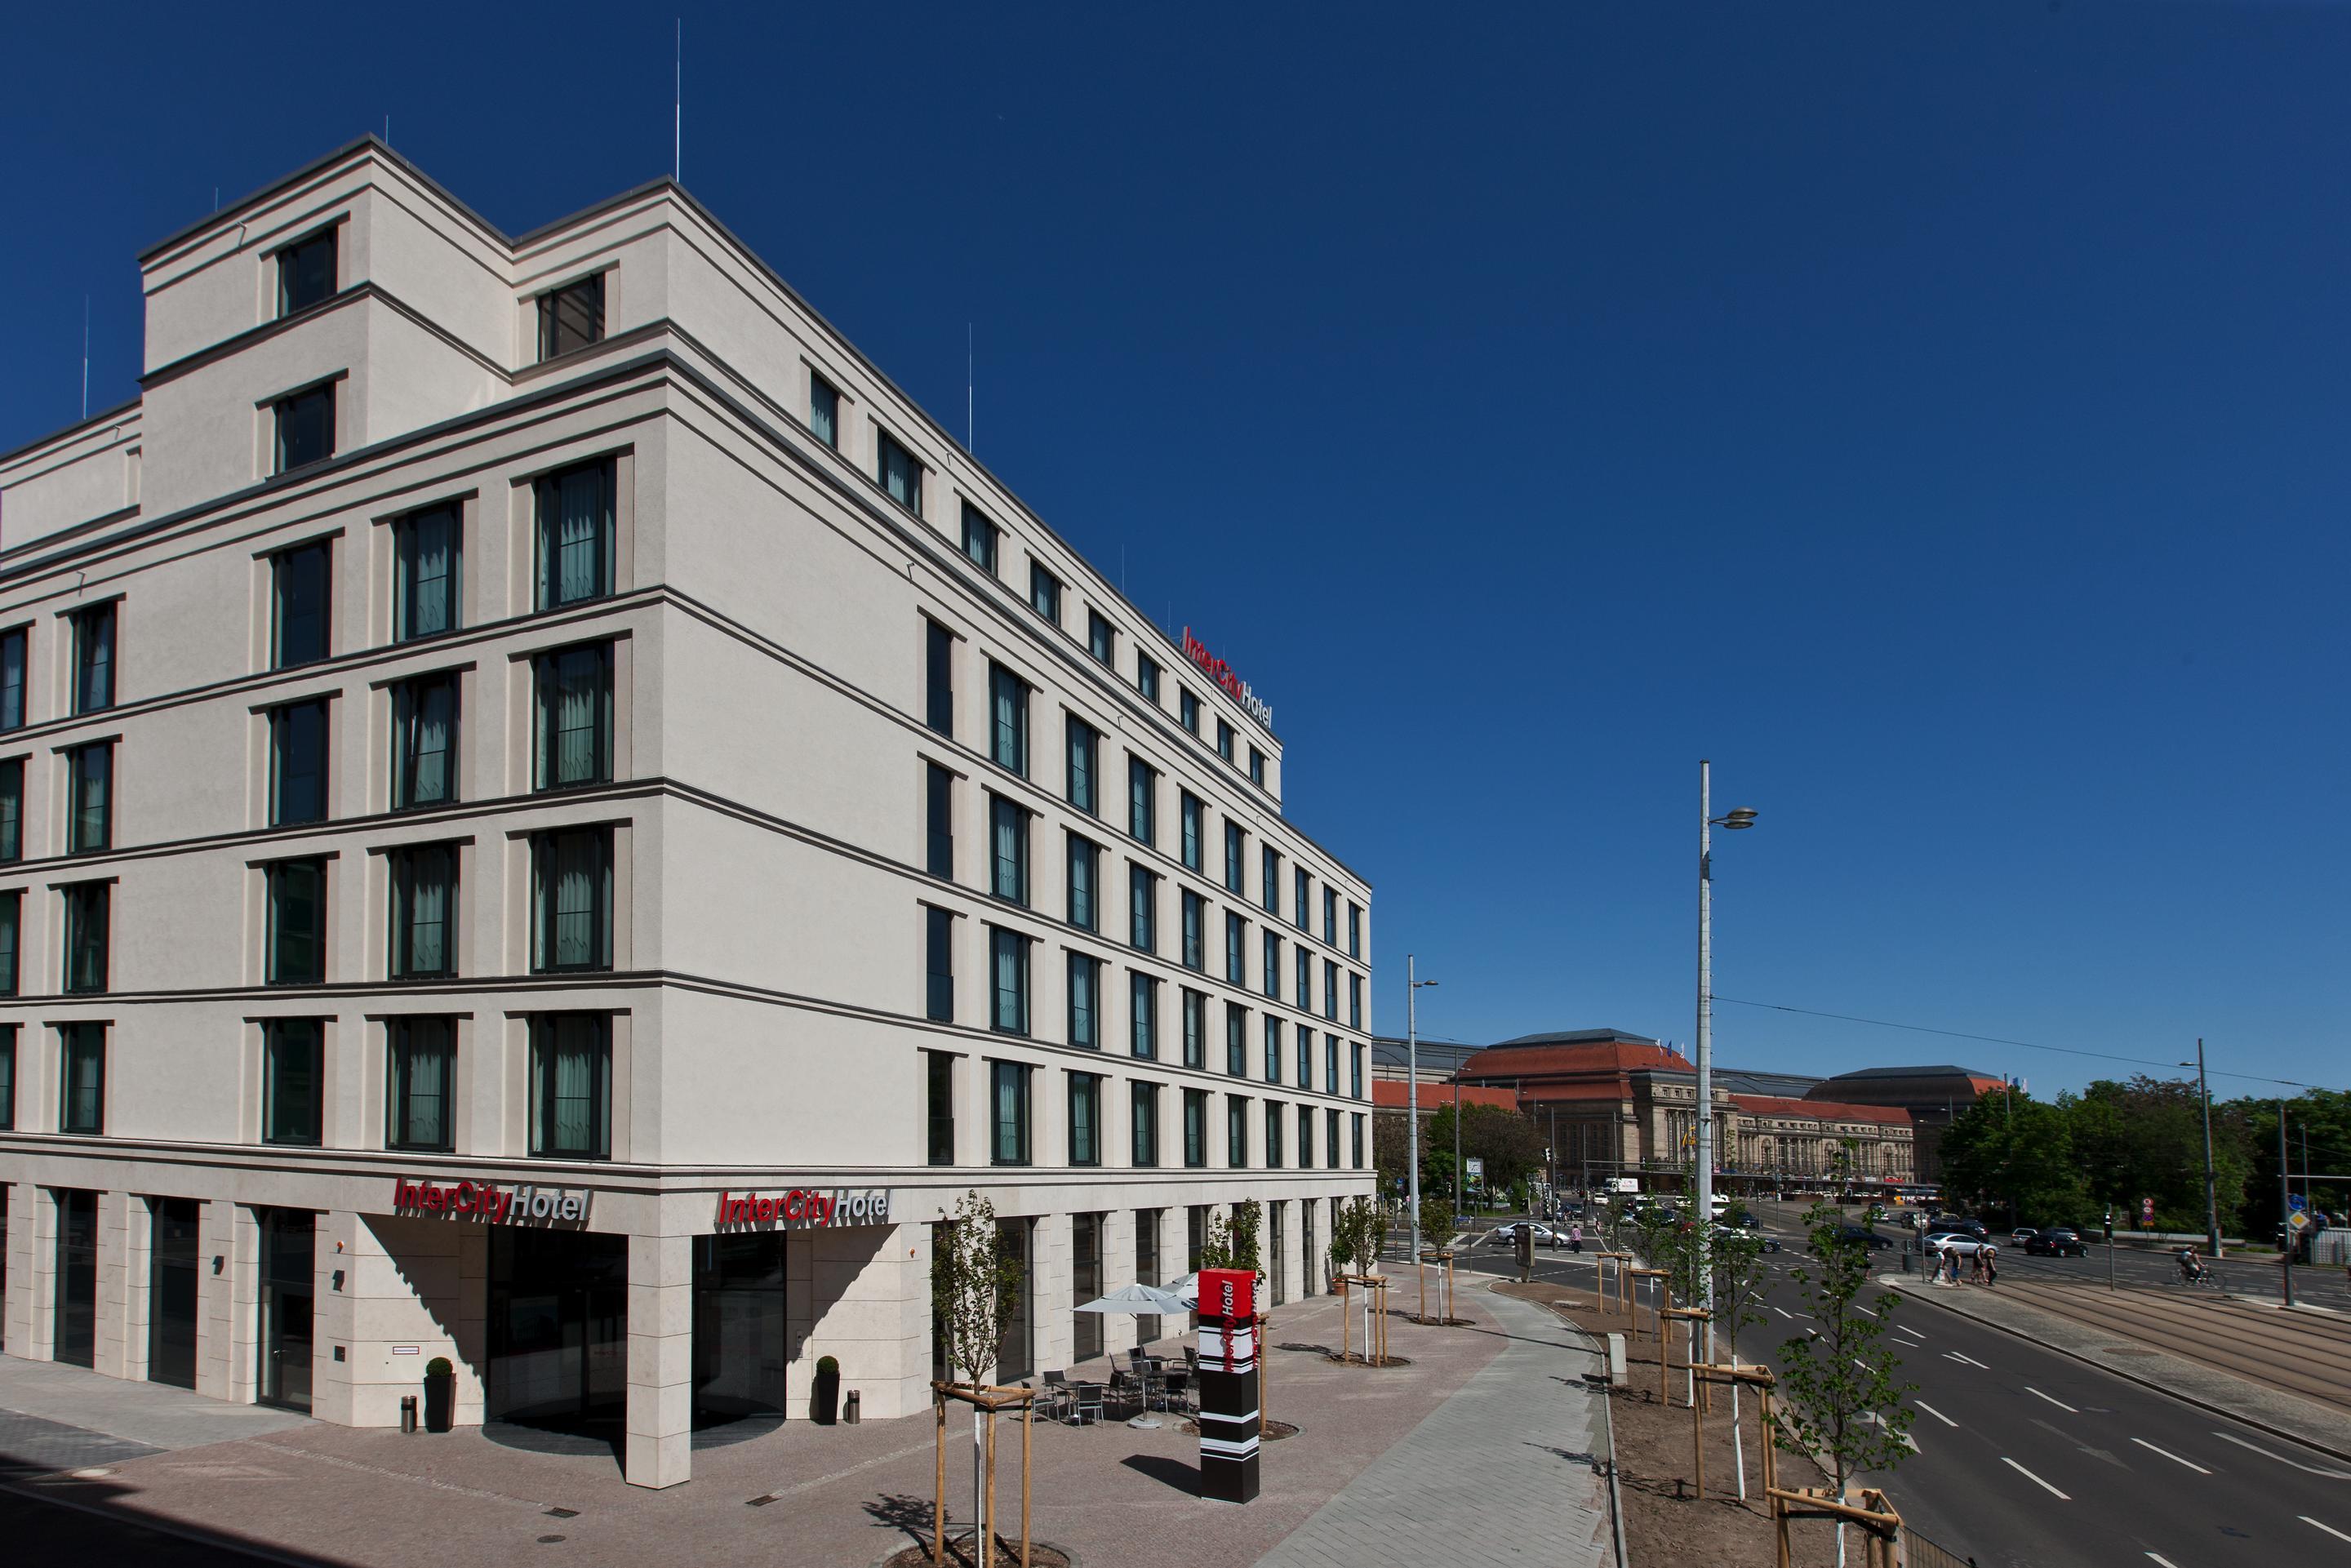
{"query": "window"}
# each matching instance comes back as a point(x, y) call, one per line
point(1272, 1049)
point(89, 801)
point(1236, 949)
point(1356, 1073)
point(1084, 752)
point(1146, 676)
point(1187, 708)
point(1331, 915)
point(938, 677)
point(1142, 909)
point(1007, 706)
point(1188, 828)
point(824, 410)
point(1007, 962)
point(423, 910)
point(1305, 1137)
point(12, 932)
point(571, 317)
point(1257, 768)
point(1236, 860)
point(573, 718)
point(571, 1086)
point(939, 1077)
point(1195, 1029)
point(1196, 914)
point(298, 763)
point(979, 538)
point(1141, 791)
point(1009, 1095)
point(1272, 1134)
point(1305, 977)
point(1356, 1139)
point(1008, 835)
point(1329, 990)
point(1085, 1119)
point(1044, 594)
point(1329, 1065)
point(81, 1101)
point(1085, 1001)
point(8, 1077)
point(1236, 1040)
point(897, 472)
point(576, 542)
point(428, 559)
point(571, 900)
point(85, 913)
point(13, 651)
point(1100, 637)
point(1299, 883)
point(1142, 1016)
point(306, 427)
point(424, 742)
point(1269, 878)
point(1085, 875)
point(1354, 930)
point(1305, 1057)
point(305, 272)
point(938, 821)
point(12, 810)
point(298, 582)
point(1146, 1100)
point(297, 893)
point(1354, 1001)
point(420, 1088)
point(938, 964)
point(290, 1052)
point(93, 656)
point(1236, 1131)
point(1224, 740)
point(1195, 1128)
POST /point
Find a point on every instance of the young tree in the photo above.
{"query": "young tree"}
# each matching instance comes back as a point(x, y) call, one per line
point(1355, 1232)
point(1233, 1243)
point(1843, 1401)
point(976, 1281)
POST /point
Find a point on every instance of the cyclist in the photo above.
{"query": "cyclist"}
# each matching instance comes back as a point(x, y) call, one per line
point(2191, 1267)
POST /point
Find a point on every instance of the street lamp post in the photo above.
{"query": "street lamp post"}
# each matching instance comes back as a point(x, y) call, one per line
point(1707, 823)
point(2211, 1194)
point(1412, 1093)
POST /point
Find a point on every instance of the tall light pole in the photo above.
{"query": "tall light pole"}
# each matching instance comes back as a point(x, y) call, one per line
point(2211, 1194)
point(1412, 1094)
point(1729, 821)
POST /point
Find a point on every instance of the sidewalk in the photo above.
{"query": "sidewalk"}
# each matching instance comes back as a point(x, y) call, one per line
point(59, 1417)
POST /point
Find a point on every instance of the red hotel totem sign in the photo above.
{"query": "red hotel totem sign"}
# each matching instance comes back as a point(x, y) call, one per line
point(1230, 1421)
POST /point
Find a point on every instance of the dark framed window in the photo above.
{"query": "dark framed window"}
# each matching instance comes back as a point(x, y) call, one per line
point(301, 585)
point(1269, 878)
point(1102, 638)
point(1195, 1029)
point(292, 1058)
point(425, 742)
point(1270, 981)
point(1329, 1065)
point(12, 810)
point(93, 656)
point(1142, 1016)
point(571, 317)
point(1007, 980)
point(1305, 1057)
point(1188, 828)
point(13, 648)
point(1085, 876)
point(12, 940)
point(1144, 1098)
point(1329, 990)
point(1273, 1124)
point(1331, 915)
point(938, 821)
point(296, 897)
point(1008, 838)
point(1355, 1071)
point(939, 1094)
point(1236, 949)
point(1044, 594)
point(1305, 992)
point(571, 1086)
point(1008, 730)
point(938, 677)
point(1272, 1049)
point(1085, 1001)
point(81, 1099)
point(824, 410)
point(1146, 676)
point(420, 1084)
point(1299, 883)
point(1356, 1139)
point(572, 717)
point(1354, 930)
point(86, 906)
point(89, 801)
point(305, 272)
point(1354, 1001)
point(1236, 1131)
point(1142, 800)
point(938, 964)
point(423, 910)
point(1193, 942)
point(1085, 1119)
point(898, 472)
point(1236, 1040)
point(1257, 767)
point(571, 900)
point(577, 540)
point(1305, 1137)
point(8, 1077)
point(305, 422)
point(1188, 709)
point(1084, 754)
point(1224, 740)
point(1142, 909)
point(980, 538)
point(1008, 1113)
point(1331, 1139)
point(298, 763)
point(428, 557)
point(1195, 1128)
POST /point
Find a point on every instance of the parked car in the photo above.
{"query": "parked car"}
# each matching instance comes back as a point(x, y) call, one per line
point(2059, 1242)
point(1749, 1220)
point(2022, 1237)
point(1763, 1243)
point(1958, 1241)
point(1965, 1226)
point(1862, 1235)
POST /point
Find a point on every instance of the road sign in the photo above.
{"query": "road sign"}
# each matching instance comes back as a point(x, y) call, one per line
point(1475, 1168)
point(2297, 1201)
point(2299, 1219)
point(2146, 1213)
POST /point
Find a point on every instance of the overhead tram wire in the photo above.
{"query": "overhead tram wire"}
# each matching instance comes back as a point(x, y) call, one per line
point(2000, 1040)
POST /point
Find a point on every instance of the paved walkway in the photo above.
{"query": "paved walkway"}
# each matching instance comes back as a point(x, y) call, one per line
point(1501, 1472)
point(148, 1416)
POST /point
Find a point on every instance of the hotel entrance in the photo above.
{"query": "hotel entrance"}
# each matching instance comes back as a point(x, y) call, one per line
point(558, 1338)
point(172, 1293)
point(288, 1291)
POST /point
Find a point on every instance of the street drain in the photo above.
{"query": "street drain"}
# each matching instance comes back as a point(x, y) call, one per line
point(549, 1539)
point(563, 1513)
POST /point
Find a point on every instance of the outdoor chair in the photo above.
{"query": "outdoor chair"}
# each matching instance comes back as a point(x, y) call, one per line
point(1176, 1389)
point(1058, 1400)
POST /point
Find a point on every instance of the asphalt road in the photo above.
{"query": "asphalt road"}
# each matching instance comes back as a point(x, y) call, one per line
point(2030, 1459)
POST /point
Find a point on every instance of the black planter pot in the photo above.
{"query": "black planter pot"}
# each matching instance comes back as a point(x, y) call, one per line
point(828, 1397)
point(440, 1400)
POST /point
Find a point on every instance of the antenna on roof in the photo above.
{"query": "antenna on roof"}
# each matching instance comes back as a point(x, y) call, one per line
point(677, 112)
point(85, 356)
point(387, 129)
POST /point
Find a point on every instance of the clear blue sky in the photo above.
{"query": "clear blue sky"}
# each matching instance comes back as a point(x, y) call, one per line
point(1935, 414)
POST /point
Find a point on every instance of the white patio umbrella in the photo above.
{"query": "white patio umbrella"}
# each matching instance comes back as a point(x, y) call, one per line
point(1139, 1300)
point(1188, 1290)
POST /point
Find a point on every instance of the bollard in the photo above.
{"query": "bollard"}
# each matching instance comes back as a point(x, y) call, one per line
point(851, 1415)
point(407, 1412)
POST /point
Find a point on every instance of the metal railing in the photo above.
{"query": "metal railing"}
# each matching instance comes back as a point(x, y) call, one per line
point(1916, 1552)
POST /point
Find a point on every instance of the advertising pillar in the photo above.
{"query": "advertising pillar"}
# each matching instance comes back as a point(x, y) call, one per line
point(1230, 1420)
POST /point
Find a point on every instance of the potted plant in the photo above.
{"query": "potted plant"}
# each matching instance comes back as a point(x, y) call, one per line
point(440, 1394)
point(828, 1390)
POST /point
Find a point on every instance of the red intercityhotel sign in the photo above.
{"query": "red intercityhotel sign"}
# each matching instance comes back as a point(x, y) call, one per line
point(805, 1205)
point(489, 1202)
point(1217, 670)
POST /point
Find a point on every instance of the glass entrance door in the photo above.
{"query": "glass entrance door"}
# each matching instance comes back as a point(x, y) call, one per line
point(77, 1277)
point(738, 1327)
point(171, 1293)
point(558, 1330)
point(287, 1292)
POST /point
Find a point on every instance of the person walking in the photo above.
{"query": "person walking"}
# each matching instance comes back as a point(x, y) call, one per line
point(1990, 1264)
point(1575, 1237)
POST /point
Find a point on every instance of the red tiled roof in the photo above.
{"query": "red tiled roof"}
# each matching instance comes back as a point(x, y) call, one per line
point(1780, 1105)
point(1599, 1056)
point(1390, 1092)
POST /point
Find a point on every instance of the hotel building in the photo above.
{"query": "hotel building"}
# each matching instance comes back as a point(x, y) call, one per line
point(511, 748)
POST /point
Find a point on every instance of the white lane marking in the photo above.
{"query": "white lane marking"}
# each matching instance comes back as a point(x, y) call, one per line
point(1865, 1366)
point(1864, 1311)
point(2167, 1454)
point(1785, 1314)
point(2058, 1403)
point(1938, 1415)
point(1972, 1361)
point(2329, 1528)
point(2166, 1562)
point(2281, 1459)
point(2036, 1481)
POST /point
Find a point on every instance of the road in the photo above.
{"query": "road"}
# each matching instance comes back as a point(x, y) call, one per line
point(2030, 1459)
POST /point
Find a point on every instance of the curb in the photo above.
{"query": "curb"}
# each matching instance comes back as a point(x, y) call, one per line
point(2204, 1405)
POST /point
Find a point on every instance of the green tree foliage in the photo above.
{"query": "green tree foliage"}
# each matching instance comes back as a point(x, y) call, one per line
point(1436, 1221)
point(1232, 1243)
point(976, 1283)
point(1844, 1402)
point(2015, 1154)
point(1509, 1140)
point(1354, 1237)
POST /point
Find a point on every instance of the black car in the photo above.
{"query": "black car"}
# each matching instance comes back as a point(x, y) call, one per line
point(1861, 1235)
point(2059, 1242)
point(1974, 1227)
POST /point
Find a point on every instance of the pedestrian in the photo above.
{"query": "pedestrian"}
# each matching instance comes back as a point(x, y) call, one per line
point(1975, 1265)
point(1992, 1264)
point(1575, 1237)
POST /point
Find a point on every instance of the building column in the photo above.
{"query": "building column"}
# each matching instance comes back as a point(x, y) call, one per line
point(661, 1361)
point(41, 1273)
point(216, 1299)
point(1117, 1268)
point(1051, 1273)
point(126, 1224)
point(244, 1326)
point(339, 1243)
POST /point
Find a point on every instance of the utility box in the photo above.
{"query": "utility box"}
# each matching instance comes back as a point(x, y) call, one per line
point(1616, 1361)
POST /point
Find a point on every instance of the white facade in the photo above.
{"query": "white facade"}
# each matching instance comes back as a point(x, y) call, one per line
point(763, 968)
